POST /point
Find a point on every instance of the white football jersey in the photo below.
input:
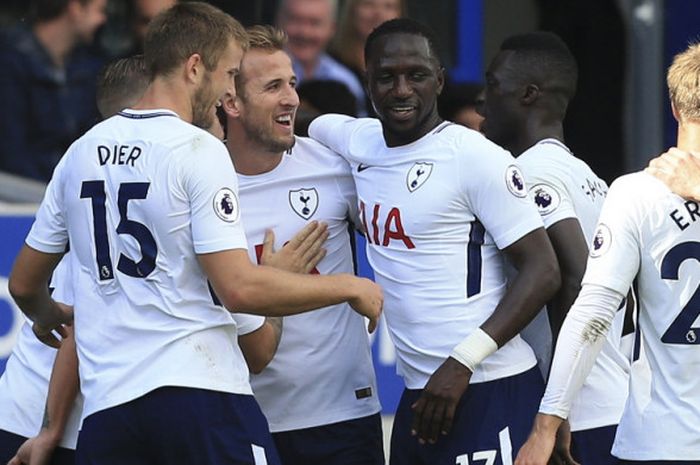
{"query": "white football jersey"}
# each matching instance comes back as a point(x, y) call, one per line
point(139, 195)
point(24, 384)
point(436, 212)
point(649, 234)
point(322, 372)
point(563, 186)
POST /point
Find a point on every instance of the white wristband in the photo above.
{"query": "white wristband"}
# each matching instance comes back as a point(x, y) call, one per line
point(474, 349)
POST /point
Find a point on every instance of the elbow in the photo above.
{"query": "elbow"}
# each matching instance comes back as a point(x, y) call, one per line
point(239, 299)
point(258, 365)
point(19, 290)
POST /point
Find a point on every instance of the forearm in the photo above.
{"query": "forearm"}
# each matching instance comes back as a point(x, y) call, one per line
point(537, 281)
point(277, 293)
point(260, 346)
point(582, 337)
point(63, 388)
point(558, 307)
point(29, 285)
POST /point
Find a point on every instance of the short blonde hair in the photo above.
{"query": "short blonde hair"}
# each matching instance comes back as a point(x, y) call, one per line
point(261, 37)
point(683, 80)
point(266, 38)
point(188, 28)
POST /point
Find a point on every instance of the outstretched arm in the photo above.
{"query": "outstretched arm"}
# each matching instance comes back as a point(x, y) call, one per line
point(582, 337)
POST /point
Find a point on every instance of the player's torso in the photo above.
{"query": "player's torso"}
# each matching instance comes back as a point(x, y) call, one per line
point(311, 184)
point(440, 269)
point(660, 421)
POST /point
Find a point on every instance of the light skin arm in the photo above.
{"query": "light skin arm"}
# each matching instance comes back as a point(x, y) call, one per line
point(679, 170)
point(63, 389)
point(299, 255)
point(262, 290)
point(536, 282)
point(29, 288)
point(260, 346)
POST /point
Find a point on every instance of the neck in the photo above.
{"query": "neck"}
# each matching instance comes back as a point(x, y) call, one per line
point(167, 93)
point(56, 38)
point(689, 136)
point(395, 139)
point(248, 157)
point(309, 68)
point(534, 131)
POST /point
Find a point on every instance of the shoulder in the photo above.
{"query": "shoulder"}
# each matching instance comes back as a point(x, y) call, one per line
point(317, 156)
point(638, 186)
point(471, 146)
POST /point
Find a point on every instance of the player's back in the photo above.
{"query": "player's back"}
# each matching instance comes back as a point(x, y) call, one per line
point(135, 195)
point(660, 420)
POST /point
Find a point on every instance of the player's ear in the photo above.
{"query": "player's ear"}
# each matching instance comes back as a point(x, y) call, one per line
point(530, 94)
point(231, 105)
point(440, 79)
point(194, 69)
point(676, 115)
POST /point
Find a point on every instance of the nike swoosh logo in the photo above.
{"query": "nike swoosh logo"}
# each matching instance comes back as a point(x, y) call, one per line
point(361, 167)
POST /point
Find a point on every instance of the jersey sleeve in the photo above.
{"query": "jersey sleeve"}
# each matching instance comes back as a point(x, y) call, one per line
point(347, 191)
point(580, 340)
point(614, 254)
point(212, 188)
point(49, 233)
point(549, 194)
point(333, 131)
point(497, 193)
point(246, 323)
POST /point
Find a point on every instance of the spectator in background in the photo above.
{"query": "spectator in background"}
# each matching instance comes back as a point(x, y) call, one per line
point(357, 19)
point(458, 103)
point(310, 26)
point(319, 97)
point(142, 13)
point(47, 86)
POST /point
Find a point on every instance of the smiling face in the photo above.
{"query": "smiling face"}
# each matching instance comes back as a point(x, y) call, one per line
point(214, 85)
point(404, 81)
point(268, 100)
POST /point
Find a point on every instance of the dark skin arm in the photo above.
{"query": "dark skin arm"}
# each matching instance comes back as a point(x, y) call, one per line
point(29, 288)
point(572, 253)
point(536, 282)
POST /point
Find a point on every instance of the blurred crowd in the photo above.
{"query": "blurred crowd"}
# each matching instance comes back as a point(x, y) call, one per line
point(52, 52)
